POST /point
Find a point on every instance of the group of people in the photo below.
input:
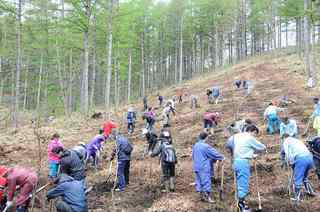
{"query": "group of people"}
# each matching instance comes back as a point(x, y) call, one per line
point(67, 167)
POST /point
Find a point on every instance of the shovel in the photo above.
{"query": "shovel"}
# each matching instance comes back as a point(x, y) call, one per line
point(257, 186)
point(221, 183)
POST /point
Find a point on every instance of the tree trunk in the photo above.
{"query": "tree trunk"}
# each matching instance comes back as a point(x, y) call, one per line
point(109, 56)
point(25, 86)
point(94, 64)
point(129, 75)
point(181, 51)
point(18, 63)
point(2, 78)
point(39, 83)
point(142, 77)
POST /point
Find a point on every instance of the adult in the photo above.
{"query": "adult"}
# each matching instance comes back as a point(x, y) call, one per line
point(203, 155)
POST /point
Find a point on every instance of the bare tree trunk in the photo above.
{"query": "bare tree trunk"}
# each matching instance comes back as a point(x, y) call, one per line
point(181, 51)
point(307, 46)
point(94, 63)
point(2, 78)
point(70, 85)
point(109, 56)
point(129, 74)
point(39, 83)
point(25, 86)
point(142, 78)
point(280, 34)
point(18, 63)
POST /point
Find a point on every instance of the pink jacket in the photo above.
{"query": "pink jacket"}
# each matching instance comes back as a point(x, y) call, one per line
point(53, 144)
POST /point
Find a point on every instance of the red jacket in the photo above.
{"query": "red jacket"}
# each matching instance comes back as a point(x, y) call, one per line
point(25, 178)
point(108, 126)
point(213, 117)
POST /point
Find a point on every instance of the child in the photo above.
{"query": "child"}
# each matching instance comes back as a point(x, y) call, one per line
point(54, 159)
point(131, 119)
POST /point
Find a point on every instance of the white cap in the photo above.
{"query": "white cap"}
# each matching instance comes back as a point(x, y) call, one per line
point(144, 131)
point(166, 134)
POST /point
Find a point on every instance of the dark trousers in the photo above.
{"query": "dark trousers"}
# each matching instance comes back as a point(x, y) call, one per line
point(123, 173)
point(62, 206)
point(22, 209)
point(130, 127)
point(317, 165)
point(168, 169)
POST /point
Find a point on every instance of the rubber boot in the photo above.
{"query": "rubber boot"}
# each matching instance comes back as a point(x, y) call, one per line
point(165, 187)
point(208, 198)
point(172, 184)
point(297, 195)
point(309, 189)
point(243, 207)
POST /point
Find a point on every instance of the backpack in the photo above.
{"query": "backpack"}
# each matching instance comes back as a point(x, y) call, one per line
point(168, 154)
point(128, 149)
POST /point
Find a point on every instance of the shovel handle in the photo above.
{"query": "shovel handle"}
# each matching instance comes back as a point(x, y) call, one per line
point(257, 184)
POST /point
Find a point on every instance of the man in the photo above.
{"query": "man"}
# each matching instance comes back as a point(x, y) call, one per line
point(150, 118)
point(94, 148)
point(296, 154)
point(131, 119)
point(215, 95)
point(152, 139)
point(288, 126)
point(160, 99)
point(248, 87)
point(238, 84)
point(316, 115)
point(81, 151)
point(203, 155)
point(26, 179)
point(108, 126)
point(71, 164)
point(179, 95)
point(123, 153)
point(271, 116)
point(145, 103)
point(239, 126)
point(242, 147)
point(72, 193)
point(194, 101)
point(166, 114)
point(210, 121)
point(314, 146)
point(168, 160)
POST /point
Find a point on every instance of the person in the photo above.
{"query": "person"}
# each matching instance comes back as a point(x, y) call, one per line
point(271, 116)
point(165, 134)
point(123, 153)
point(209, 93)
point(288, 126)
point(108, 126)
point(166, 114)
point(81, 151)
point(72, 193)
point(152, 139)
point(145, 103)
point(26, 179)
point(150, 118)
point(179, 95)
point(194, 101)
point(168, 160)
point(54, 158)
point(316, 115)
point(203, 155)
point(71, 164)
point(238, 84)
point(94, 148)
point(215, 95)
point(3, 184)
point(131, 119)
point(248, 87)
point(242, 147)
point(296, 154)
point(239, 126)
point(210, 121)
point(314, 146)
point(160, 99)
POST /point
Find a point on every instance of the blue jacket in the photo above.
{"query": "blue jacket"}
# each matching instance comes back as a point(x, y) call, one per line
point(72, 165)
point(71, 191)
point(244, 145)
point(122, 144)
point(291, 128)
point(203, 155)
point(316, 111)
point(293, 148)
point(131, 117)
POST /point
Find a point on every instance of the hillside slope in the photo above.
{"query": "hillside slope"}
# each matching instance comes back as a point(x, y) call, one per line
point(273, 77)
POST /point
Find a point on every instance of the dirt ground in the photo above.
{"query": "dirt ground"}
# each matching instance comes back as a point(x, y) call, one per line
point(273, 77)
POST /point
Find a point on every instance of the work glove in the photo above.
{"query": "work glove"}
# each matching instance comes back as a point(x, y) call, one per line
point(9, 206)
point(254, 156)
